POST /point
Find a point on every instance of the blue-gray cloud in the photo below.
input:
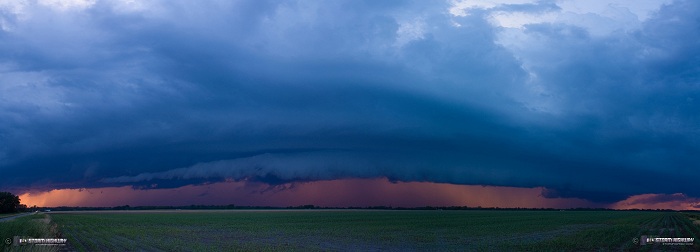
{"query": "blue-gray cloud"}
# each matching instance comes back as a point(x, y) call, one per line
point(179, 92)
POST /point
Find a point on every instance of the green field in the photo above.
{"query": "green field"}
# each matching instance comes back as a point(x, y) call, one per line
point(370, 230)
point(35, 225)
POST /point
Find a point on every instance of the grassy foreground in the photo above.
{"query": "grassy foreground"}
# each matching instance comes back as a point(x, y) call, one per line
point(371, 230)
point(35, 226)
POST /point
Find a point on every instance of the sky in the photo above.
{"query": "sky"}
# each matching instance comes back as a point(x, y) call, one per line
point(566, 103)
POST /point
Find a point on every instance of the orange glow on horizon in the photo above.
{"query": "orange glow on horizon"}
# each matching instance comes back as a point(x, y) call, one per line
point(677, 201)
point(334, 193)
point(331, 193)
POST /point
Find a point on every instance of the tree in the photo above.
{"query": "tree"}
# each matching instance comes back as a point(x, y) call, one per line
point(8, 202)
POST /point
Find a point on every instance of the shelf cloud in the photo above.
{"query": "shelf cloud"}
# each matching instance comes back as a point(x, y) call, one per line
point(596, 100)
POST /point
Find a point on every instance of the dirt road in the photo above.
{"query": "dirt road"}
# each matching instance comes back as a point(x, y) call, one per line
point(15, 216)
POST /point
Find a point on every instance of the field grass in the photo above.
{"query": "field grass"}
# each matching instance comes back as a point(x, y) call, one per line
point(371, 230)
point(34, 226)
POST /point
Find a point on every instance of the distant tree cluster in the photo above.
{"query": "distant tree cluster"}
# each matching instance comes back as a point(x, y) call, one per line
point(232, 206)
point(9, 203)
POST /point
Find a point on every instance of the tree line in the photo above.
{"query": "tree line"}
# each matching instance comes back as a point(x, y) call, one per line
point(10, 203)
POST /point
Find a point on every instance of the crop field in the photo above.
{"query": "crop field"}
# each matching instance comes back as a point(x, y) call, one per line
point(371, 230)
point(35, 225)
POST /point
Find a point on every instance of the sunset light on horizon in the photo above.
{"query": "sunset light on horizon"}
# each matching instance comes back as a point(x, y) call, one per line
point(344, 193)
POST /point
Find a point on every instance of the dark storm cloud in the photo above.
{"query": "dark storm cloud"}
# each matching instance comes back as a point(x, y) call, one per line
point(176, 92)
